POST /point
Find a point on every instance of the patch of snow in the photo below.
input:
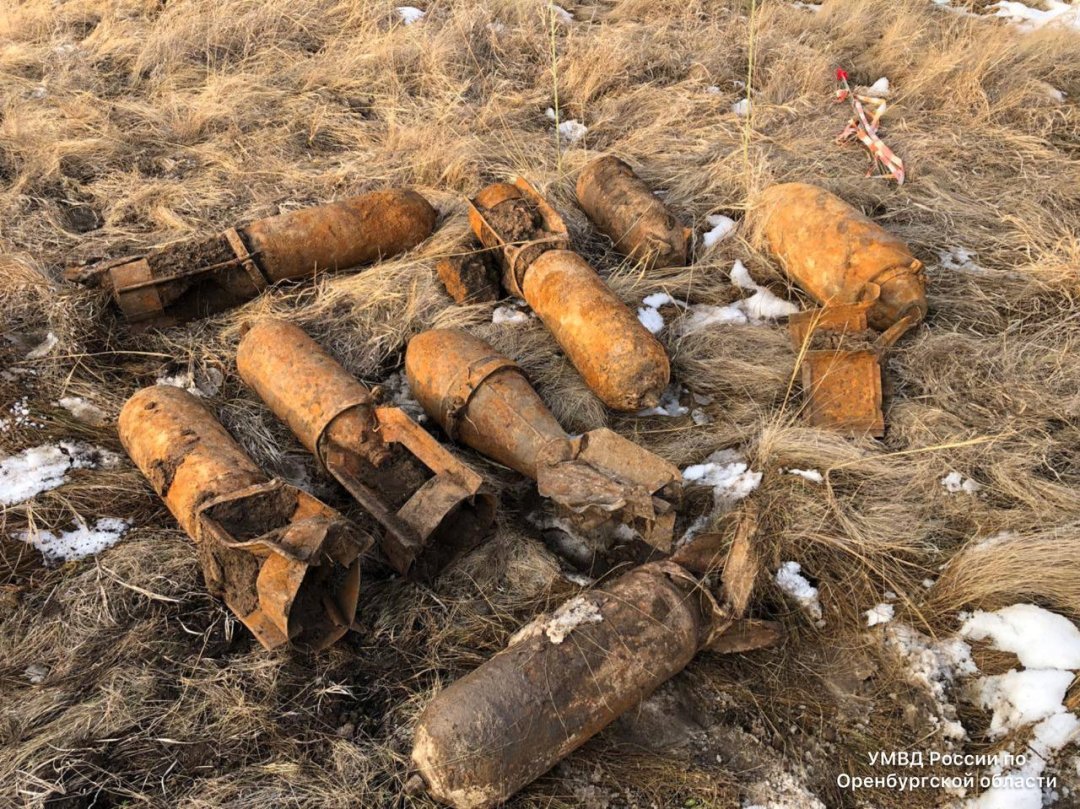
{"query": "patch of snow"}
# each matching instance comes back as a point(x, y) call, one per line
point(781, 790)
point(575, 612)
point(700, 417)
point(960, 259)
point(78, 543)
point(651, 319)
point(400, 395)
point(934, 665)
point(703, 315)
point(741, 107)
point(669, 403)
point(1020, 698)
point(40, 469)
point(806, 6)
point(1039, 638)
point(812, 475)
point(39, 92)
point(1030, 19)
point(36, 673)
point(410, 14)
point(1053, 92)
point(577, 578)
point(728, 473)
point(83, 410)
point(881, 614)
point(757, 309)
point(20, 416)
point(658, 299)
point(790, 579)
point(722, 227)
point(879, 88)
point(562, 15)
point(505, 314)
point(740, 277)
point(570, 130)
point(712, 90)
point(762, 305)
point(205, 384)
point(44, 348)
point(927, 583)
point(954, 482)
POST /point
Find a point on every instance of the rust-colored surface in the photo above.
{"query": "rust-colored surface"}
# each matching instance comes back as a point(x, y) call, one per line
point(840, 256)
point(842, 380)
point(484, 400)
point(432, 506)
point(470, 275)
point(201, 276)
point(559, 682)
point(625, 210)
point(359, 230)
point(285, 563)
point(618, 358)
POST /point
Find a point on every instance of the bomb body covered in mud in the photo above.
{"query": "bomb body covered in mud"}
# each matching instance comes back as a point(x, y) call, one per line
point(199, 277)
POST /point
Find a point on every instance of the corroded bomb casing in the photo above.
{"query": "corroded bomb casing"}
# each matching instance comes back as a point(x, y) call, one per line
point(562, 679)
point(432, 506)
point(840, 256)
point(285, 563)
point(619, 359)
point(841, 372)
point(197, 277)
point(623, 208)
point(483, 399)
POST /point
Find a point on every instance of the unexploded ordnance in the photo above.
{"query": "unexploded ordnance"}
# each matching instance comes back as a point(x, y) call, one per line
point(432, 506)
point(284, 562)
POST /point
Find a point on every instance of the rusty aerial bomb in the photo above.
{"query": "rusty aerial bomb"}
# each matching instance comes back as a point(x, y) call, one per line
point(620, 361)
point(625, 210)
point(841, 371)
point(286, 564)
point(562, 679)
point(483, 399)
point(201, 276)
point(839, 256)
point(432, 506)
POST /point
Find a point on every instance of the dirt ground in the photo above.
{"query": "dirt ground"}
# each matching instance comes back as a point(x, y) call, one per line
point(126, 124)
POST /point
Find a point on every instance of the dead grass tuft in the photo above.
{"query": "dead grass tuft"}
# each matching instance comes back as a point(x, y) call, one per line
point(130, 123)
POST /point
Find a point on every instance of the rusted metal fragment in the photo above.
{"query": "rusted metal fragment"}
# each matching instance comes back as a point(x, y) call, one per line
point(285, 563)
point(747, 635)
point(623, 364)
point(484, 400)
point(198, 277)
point(432, 506)
point(561, 680)
point(471, 275)
point(625, 210)
point(840, 256)
point(841, 373)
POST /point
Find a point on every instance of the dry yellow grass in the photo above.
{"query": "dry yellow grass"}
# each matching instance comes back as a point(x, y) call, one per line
point(128, 123)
